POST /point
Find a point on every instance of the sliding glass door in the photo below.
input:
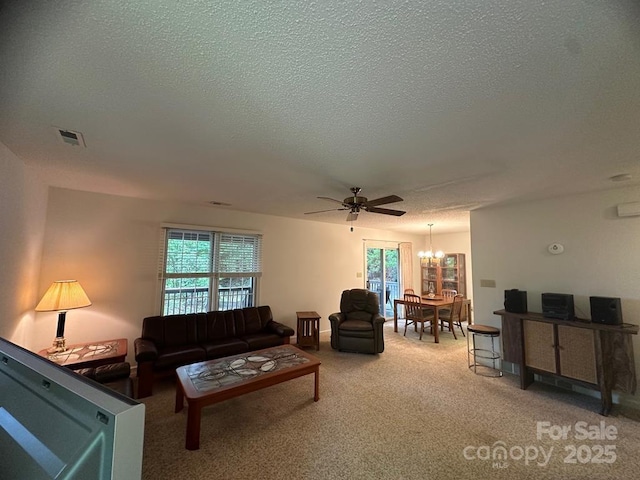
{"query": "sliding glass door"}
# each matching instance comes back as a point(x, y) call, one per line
point(383, 276)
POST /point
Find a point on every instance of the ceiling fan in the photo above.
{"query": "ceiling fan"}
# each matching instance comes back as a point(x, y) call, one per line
point(356, 203)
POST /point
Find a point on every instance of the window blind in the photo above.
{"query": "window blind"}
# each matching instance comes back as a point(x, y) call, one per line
point(239, 254)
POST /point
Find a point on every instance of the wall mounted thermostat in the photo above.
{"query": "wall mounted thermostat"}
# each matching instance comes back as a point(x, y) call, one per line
point(555, 248)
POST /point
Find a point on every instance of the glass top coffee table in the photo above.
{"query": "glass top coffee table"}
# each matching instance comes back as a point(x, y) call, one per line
point(213, 381)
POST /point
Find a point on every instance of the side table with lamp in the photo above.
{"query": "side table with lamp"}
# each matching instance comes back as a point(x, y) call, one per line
point(65, 295)
point(61, 296)
point(102, 361)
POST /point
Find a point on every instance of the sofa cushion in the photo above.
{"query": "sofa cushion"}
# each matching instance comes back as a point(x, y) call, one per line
point(153, 330)
point(359, 316)
point(247, 321)
point(225, 347)
point(181, 329)
point(113, 375)
point(219, 325)
point(356, 328)
point(262, 340)
point(171, 357)
point(112, 372)
point(171, 330)
point(356, 325)
point(265, 315)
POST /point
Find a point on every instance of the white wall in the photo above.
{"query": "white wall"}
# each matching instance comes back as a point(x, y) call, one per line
point(23, 201)
point(601, 257)
point(110, 245)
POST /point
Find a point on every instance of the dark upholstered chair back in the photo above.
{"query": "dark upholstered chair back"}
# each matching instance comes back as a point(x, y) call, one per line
point(359, 304)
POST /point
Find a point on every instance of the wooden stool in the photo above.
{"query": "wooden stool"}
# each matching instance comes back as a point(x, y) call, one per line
point(474, 353)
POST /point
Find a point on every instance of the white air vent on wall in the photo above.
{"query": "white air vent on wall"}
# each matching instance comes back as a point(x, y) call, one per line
point(70, 137)
point(629, 209)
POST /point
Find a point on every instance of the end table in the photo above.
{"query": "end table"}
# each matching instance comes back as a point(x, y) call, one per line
point(308, 332)
point(90, 354)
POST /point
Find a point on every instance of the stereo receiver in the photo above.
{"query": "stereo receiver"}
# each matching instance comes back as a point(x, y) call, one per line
point(558, 305)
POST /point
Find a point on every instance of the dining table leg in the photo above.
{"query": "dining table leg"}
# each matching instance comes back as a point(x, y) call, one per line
point(436, 330)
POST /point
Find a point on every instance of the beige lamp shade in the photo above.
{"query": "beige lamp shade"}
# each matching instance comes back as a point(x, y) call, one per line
point(63, 295)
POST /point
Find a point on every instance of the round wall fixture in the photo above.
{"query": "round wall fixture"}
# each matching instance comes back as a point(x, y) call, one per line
point(555, 248)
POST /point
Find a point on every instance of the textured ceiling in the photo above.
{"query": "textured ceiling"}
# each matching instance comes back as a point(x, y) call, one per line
point(266, 105)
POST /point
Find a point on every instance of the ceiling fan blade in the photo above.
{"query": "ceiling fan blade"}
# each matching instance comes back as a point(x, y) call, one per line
point(329, 210)
point(385, 211)
point(332, 200)
point(384, 200)
point(352, 216)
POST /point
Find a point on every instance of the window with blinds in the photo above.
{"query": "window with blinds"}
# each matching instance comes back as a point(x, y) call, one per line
point(204, 271)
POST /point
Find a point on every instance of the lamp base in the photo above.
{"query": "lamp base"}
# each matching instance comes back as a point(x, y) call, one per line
point(58, 345)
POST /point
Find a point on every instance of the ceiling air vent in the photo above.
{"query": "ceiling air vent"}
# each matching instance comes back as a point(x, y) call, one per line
point(70, 137)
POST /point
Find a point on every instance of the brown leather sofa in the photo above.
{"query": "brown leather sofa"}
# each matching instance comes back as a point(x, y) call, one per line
point(168, 342)
point(358, 327)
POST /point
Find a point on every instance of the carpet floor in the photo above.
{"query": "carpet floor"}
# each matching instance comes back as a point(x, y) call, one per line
point(412, 412)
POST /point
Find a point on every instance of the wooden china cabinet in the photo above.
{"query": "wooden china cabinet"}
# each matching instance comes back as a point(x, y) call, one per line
point(448, 272)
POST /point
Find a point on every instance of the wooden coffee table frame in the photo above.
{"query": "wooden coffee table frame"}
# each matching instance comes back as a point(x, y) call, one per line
point(197, 400)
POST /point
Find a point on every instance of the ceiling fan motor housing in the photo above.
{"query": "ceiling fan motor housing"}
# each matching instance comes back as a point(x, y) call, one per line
point(355, 200)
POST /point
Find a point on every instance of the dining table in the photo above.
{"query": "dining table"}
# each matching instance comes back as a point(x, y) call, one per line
point(436, 302)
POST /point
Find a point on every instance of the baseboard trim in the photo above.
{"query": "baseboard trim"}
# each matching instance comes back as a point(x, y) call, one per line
point(620, 399)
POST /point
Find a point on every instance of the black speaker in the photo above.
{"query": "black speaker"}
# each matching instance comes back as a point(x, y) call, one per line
point(515, 301)
point(606, 310)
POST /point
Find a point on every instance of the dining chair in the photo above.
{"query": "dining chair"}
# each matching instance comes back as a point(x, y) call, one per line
point(447, 294)
point(427, 310)
point(415, 313)
point(453, 317)
point(407, 291)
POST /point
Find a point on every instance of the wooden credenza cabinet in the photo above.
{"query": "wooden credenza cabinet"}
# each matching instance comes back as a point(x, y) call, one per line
point(587, 354)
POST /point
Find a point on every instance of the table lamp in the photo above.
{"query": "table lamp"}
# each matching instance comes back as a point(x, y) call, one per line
point(61, 296)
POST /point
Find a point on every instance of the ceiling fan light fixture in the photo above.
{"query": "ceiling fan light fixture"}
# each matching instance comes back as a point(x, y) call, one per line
point(356, 204)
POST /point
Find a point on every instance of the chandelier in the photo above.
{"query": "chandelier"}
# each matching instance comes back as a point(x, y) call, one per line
point(430, 254)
